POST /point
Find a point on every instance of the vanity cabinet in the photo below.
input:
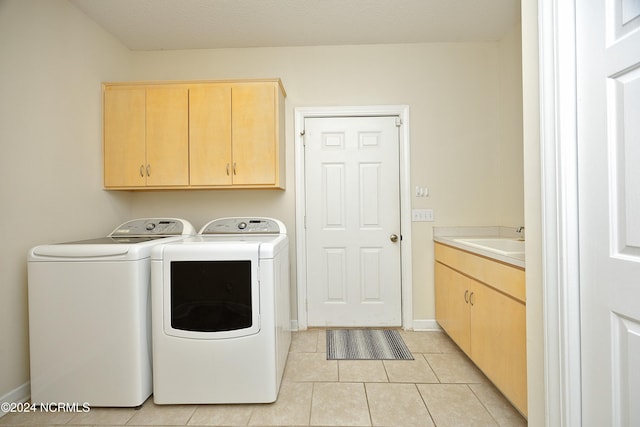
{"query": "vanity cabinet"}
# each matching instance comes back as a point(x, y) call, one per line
point(194, 135)
point(480, 303)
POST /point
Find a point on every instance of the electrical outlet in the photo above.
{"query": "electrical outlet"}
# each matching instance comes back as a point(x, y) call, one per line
point(422, 215)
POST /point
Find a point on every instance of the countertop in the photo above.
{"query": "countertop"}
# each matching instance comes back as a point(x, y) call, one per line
point(451, 236)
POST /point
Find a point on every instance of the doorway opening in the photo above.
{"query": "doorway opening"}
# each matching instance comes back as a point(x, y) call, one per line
point(401, 114)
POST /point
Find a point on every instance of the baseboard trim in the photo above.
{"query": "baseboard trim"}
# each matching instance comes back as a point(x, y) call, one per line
point(418, 325)
point(426, 325)
point(19, 394)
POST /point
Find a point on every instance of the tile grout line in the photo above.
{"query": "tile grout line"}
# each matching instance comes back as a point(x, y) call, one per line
point(424, 356)
point(366, 396)
point(424, 402)
point(313, 390)
point(386, 372)
point(483, 405)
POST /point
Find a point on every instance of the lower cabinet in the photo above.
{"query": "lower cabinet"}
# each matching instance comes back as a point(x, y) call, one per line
point(485, 316)
point(452, 305)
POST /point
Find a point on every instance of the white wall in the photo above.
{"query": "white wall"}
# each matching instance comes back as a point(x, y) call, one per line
point(463, 116)
point(509, 158)
point(53, 59)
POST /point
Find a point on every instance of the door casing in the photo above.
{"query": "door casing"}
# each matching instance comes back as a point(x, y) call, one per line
point(401, 111)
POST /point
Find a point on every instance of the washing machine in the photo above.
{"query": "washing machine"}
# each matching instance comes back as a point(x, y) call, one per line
point(221, 316)
point(90, 315)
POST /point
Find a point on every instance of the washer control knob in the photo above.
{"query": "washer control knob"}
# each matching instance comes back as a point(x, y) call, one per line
point(150, 226)
point(242, 225)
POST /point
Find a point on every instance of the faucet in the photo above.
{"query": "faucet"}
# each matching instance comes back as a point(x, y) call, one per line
point(520, 231)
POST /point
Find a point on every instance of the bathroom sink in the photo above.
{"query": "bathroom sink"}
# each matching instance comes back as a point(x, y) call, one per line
point(501, 245)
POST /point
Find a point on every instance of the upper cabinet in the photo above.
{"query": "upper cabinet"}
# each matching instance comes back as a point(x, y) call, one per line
point(167, 124)
point(124, 136)
point(194, 135)
point(253, 126)
point(210, 135)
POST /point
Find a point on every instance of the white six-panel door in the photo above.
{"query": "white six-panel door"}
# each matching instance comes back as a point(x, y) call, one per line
point(353, 221)
point(608, 74)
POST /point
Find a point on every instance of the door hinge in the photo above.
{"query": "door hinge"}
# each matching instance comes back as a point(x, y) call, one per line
point(398, 121)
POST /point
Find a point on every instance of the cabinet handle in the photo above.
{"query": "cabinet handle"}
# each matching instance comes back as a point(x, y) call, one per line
point(234, 168)
point(466, 296)
point(227, 169)
point(471, 298)
point(142, 171)
point(148, 170)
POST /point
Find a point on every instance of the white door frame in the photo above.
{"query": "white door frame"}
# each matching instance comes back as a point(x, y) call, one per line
point(401, 111)
point(559, 194)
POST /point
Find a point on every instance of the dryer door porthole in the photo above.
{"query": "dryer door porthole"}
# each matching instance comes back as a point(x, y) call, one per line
point(212, 299)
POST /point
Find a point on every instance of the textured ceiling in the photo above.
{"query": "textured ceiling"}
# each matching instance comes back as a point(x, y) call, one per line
point(204, 24)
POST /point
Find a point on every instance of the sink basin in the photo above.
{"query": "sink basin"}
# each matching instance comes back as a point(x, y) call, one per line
point(504, 246)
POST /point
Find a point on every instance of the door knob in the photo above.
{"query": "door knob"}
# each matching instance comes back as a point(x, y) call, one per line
point(393, 238)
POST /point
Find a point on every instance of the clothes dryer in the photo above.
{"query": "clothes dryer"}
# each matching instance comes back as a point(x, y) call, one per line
point(221, 317)
point(90, 315)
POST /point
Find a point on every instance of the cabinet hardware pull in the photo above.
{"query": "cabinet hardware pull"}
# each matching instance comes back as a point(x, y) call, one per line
point(227, 169)
point(148, 170)
point(471, 298)
point(142, 171)
point(466, 294)
point(234, 168)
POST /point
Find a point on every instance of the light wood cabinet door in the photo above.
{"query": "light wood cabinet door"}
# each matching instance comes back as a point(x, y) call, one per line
point(452, 309)
point(210, 135)
point(200, 134)
point(254, 133)
point(167, 130)
point(124, 136)
point(498, 341)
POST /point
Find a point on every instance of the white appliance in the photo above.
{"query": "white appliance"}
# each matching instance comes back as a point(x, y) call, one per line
point(90, 315)
point(221, 322)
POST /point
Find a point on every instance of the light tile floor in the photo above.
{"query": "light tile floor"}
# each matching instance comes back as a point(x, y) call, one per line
point(441, 387)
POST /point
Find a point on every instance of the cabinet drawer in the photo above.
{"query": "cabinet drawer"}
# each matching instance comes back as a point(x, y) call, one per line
point(505, 278)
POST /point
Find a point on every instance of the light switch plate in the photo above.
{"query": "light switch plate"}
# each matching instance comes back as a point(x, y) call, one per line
point(422, 215)
point(422, 191)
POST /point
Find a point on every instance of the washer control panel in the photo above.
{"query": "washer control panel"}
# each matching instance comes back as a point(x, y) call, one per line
point(154, 227)
point(243, 226)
